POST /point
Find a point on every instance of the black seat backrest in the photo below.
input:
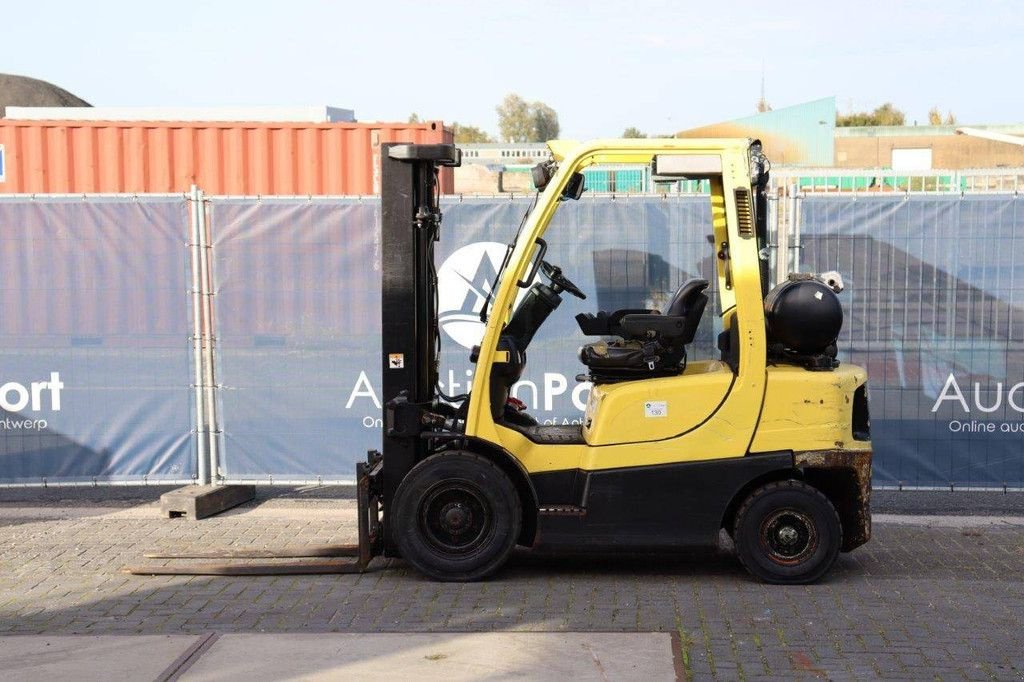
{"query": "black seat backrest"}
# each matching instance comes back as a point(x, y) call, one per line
point(689, 302)
point(687, 297)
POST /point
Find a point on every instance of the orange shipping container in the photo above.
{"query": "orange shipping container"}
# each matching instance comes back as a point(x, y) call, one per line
point(220, 158)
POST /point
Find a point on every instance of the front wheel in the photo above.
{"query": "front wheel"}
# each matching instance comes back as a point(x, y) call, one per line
point(457, 517)
point(787, 533)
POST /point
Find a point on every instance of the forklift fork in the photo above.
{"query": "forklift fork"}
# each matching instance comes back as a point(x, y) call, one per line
point(356, 559)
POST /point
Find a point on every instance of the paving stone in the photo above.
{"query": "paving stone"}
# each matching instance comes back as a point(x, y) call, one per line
point(916, 602)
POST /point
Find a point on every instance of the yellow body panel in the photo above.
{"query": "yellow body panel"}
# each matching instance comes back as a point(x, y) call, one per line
point(562, 148)
point(655, 409)
point(713, 412)
point(809, 410)
point(690, 447)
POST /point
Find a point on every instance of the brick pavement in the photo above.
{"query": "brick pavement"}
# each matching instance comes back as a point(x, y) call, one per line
point(917, 602)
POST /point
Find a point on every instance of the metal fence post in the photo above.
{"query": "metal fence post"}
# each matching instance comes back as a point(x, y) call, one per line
point(783, 229)
point(793, 238)
point(773, 233)
point(202, 429)
point(209, 383)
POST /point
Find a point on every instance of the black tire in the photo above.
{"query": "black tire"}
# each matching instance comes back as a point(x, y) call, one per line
point(457, 517)
point(787, 533)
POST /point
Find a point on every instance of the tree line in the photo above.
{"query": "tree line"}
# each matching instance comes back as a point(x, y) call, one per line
point(518, 121)
point(888, 115)
point(522, 121)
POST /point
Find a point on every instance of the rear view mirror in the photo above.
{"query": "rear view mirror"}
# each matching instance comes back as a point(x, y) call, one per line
point(574, 188)
point(541, 175)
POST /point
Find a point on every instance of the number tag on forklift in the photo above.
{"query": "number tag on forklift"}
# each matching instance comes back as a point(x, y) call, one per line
point(656, 408)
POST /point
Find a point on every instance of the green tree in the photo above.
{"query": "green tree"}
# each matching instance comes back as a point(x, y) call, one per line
point(414, 118)
point(888, 115)
point(545, 122)
point(632, 133)
point(935, 118)
point(883, 115)
point(469, 134)
point(514, 120)
point(519, 121)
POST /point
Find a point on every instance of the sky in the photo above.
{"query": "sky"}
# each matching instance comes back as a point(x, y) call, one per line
point(603, 65)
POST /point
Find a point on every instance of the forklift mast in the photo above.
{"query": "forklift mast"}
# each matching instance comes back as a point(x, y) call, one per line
point(410, 225)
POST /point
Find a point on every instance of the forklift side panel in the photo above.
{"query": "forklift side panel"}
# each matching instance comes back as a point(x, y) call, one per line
point(654, 409)
point(559, 488)
point(671, 505)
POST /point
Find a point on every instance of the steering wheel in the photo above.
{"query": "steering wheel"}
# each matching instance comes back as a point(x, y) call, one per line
point(561, 282)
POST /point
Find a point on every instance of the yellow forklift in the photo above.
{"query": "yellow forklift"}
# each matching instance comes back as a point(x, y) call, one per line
point(769, 441)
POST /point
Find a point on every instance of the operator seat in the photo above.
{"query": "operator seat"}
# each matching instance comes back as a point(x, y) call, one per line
point(651, 344)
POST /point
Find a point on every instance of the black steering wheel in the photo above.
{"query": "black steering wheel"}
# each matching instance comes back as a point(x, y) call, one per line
point(560, 281)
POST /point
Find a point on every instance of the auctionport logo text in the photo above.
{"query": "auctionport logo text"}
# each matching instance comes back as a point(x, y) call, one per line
point(17, 398)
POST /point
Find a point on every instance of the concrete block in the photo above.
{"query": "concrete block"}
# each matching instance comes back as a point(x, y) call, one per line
point(200, 501)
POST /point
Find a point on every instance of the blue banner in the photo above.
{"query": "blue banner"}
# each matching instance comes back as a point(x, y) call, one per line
point(95, 360)
point(298, 313)
point(95, 346)
point(935, 286)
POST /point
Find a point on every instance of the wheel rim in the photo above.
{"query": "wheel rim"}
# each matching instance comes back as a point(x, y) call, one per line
point(788, 536)
point(455, 517)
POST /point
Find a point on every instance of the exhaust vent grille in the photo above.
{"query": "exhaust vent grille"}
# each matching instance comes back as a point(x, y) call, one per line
point(744, 214)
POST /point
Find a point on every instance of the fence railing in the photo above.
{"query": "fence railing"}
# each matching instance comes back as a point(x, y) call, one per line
point(882, 181)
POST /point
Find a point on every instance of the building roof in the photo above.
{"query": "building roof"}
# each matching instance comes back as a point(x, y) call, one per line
point(505, 145)
point(798, 135)
point(261, 114)
point(922, 131)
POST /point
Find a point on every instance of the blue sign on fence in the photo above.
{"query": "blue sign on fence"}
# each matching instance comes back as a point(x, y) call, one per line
point(932, 311)
point(95, 375)
point(94, 342)
point(2, 164)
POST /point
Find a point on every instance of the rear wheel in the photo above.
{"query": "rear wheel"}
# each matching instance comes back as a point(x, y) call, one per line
point(787, 533)
point(457, 517)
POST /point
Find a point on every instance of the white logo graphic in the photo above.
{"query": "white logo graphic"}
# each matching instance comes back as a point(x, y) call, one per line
point(953, 393)
point(464, 281)
point(15, 397)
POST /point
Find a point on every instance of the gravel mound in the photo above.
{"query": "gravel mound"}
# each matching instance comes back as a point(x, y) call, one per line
point(21, 91)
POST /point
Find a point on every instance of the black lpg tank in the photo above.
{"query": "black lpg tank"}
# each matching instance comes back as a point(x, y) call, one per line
point(804, 316)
